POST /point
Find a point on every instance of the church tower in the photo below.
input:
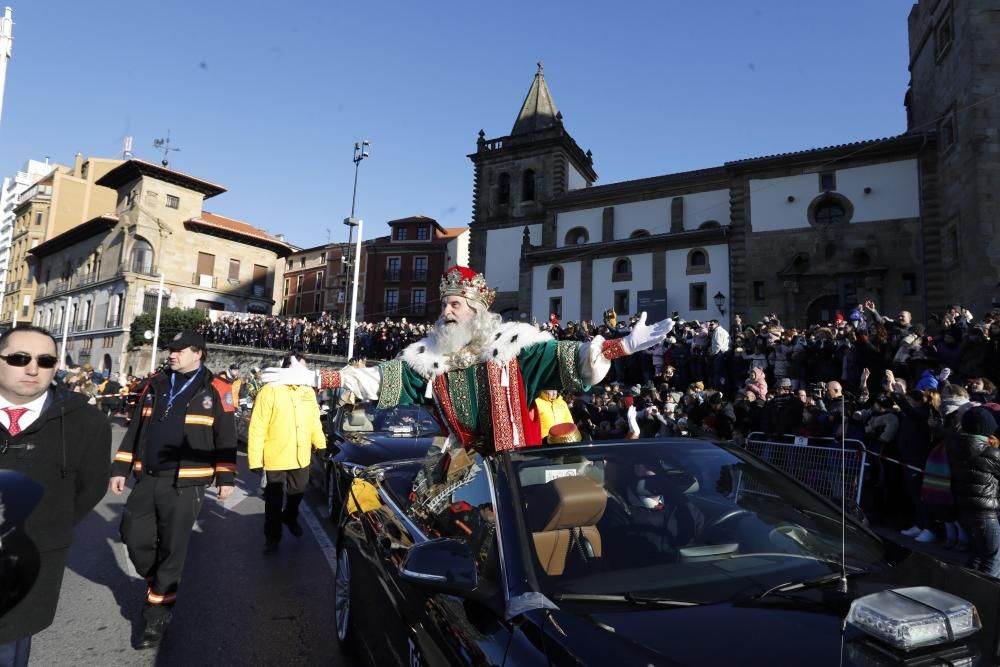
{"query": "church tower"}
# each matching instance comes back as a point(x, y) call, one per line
point(516, 177)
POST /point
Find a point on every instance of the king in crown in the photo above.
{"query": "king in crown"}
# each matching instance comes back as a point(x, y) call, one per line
point(478, 372)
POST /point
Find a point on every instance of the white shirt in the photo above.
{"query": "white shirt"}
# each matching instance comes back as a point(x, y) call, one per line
point(35, 409)
point(720, 341)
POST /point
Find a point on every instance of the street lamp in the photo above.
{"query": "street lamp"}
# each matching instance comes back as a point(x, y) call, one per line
point(360, 153)
point(720, 301)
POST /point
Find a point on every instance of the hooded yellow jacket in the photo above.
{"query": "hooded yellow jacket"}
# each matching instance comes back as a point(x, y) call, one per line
point(284, 428)
point(552, 412)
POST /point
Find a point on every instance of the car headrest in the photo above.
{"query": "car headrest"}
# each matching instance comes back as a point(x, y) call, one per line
point(566, 502)
point(358, 419)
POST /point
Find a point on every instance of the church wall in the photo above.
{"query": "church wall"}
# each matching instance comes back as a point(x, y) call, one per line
point(770, 209)
point(700, 207)
point(604, 287)
point(569, 293)
point(576, 180)
point(588, 218)
point(503, 248)
point(679, 282)
point(652, 215)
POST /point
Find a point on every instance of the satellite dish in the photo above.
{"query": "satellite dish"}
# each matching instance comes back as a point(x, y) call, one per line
point(148, 335)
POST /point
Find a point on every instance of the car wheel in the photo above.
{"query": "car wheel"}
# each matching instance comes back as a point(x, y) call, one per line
point(342, 604)
point(332, 495)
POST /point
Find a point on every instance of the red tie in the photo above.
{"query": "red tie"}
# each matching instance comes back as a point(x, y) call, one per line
point(14, 414)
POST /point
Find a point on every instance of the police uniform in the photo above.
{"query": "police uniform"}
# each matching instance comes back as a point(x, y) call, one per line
point(182, 437)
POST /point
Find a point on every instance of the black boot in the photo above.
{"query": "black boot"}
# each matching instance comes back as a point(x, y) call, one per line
point(290, 516)
point(152, 634)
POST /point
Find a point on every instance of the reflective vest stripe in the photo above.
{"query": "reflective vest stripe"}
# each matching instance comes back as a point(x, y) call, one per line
point(123, 456)
point(153, 598)
point(225, 467)
point(204, 420)
point(195, 472)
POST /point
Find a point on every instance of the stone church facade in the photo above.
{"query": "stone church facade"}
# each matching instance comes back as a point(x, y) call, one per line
point(805, 234)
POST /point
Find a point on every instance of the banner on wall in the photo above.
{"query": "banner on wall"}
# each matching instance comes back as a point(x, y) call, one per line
point(654, 302)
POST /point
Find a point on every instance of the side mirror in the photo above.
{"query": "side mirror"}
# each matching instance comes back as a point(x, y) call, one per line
point(442, 565)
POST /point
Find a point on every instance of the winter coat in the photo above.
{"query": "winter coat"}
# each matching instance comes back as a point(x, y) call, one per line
point(209, 447)
point(914, 435)
point(975, 475)
point(552, 412)
point(284, 428)
point(66, 450)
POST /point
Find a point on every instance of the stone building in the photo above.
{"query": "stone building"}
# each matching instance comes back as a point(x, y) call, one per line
point(65, 198)
point(10, 194)
point(95, 278)
point(909, 221)
point(303, 291)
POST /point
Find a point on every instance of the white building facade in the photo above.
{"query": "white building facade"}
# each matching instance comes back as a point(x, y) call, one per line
point(13, 187)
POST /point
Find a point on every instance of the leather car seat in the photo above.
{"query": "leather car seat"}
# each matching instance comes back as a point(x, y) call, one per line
point(562, 516)
point(357, 420)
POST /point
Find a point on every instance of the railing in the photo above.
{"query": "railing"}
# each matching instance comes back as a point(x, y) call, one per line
point(418, 308)
point(61, 286)
point(13, 287)
point(258, 290)
point(40, 292)
point(86, 280)
point(81, 326)
point(204, 280)
point(114, 322)
point(816, 462)
point(420, 276)
point(392, 276)
point(35, 191)
point(141, 268)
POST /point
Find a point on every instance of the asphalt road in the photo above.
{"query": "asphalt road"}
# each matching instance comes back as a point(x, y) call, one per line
point(236, 605)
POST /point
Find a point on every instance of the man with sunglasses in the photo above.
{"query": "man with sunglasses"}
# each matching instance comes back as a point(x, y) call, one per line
point(54, 437)
point(182, 437)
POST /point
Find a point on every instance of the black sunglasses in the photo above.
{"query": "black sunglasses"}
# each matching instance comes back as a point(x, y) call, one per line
point(20, 359)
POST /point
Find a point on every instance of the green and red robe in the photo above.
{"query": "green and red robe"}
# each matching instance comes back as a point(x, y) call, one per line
point(487, 398)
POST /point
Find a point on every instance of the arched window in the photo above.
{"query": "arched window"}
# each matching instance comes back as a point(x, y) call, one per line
point(621, 270)
point(503, 189)
point(528, 185)
point(142, 256)
point(830, 209)
point(709, 224)
point(577, 236)
point(639, 233)
point(697, 262)
point(555, 278)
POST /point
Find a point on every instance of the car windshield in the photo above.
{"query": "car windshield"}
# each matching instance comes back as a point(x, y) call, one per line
point(402, 420)
point(683, 519)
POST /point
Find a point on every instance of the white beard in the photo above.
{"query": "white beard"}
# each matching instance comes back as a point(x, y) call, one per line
point(451, 338)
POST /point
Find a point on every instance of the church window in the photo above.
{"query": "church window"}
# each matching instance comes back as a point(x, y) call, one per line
point(503, 190)
point(621, 302)
point(827, 181)
point(758, 290)
point(622, 270)
point(697, 299)
point(555, 306)
point(830, 209)
point(830, 213)
point(528, 185)
point(709, 224)
point(697, 262)
point(555, 278)
point(577, 236)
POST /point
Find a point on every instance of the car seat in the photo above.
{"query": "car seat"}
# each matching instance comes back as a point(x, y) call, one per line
point(562, 516)
point(357, 420)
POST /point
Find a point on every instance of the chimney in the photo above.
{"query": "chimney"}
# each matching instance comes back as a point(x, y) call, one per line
point(280, 237)
point(77, 164)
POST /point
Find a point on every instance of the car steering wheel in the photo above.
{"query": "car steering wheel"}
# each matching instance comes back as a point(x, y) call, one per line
point(727, 517)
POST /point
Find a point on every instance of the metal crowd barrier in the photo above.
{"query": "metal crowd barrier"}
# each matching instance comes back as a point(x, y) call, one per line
point(816, 462)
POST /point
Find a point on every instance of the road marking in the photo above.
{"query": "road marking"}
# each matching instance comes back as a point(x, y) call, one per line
point(325, 545)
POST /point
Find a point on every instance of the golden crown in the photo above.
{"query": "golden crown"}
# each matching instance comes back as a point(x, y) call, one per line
point(463, 281)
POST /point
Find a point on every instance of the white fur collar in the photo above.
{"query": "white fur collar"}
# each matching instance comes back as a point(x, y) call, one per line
point(512, 337)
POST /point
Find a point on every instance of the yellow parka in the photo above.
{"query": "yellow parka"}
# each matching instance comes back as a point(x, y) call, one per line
point(552, 412)
point(284, 428)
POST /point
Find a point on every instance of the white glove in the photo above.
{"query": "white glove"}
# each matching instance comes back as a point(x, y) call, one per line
point(644, 337)
point(297, 374)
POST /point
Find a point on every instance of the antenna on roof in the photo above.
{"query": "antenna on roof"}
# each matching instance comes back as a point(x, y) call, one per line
point(164, 145)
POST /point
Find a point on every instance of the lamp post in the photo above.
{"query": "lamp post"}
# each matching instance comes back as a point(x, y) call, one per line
point(720, 301)
point(360, 153)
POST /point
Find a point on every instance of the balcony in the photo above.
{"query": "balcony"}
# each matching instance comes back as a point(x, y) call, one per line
point(61, 286)
point(258, 290)
point(13, 287)
point(392, 276)
point(81, 326)
point(140, 267)
point(204, 280)
point(420, 276)
point(86, 280)
point(40, 292)
point(114, 323)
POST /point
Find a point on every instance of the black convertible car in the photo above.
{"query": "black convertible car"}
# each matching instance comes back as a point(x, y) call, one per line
point(360, 435)
point(650, 552)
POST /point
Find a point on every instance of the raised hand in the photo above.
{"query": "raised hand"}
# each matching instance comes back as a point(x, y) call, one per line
point(645, 336)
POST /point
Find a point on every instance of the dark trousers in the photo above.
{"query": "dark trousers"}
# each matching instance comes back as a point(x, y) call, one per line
point(984, 544)
point(156, 528)
point(15, 654)
point(282, 497)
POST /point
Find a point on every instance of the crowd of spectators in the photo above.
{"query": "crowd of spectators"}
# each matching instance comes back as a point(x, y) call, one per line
point(921, 398)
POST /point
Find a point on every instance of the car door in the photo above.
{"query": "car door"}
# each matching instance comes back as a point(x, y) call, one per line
point(446, 629)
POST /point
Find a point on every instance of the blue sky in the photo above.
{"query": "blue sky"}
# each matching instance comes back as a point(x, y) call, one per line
point(268, 98)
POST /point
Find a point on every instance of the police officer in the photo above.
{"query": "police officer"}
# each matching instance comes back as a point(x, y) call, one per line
point(182, 436)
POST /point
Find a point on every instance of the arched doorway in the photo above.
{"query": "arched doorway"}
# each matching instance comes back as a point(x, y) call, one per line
point(106, 366)
point(824, 309)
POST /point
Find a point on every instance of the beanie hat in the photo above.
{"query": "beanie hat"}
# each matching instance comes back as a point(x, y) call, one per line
point(927, 381)
point(979, 421)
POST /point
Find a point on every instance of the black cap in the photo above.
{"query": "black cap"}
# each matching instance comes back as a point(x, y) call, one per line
point(186, 339)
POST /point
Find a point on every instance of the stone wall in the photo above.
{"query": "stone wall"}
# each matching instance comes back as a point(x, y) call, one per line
point(220, 357)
